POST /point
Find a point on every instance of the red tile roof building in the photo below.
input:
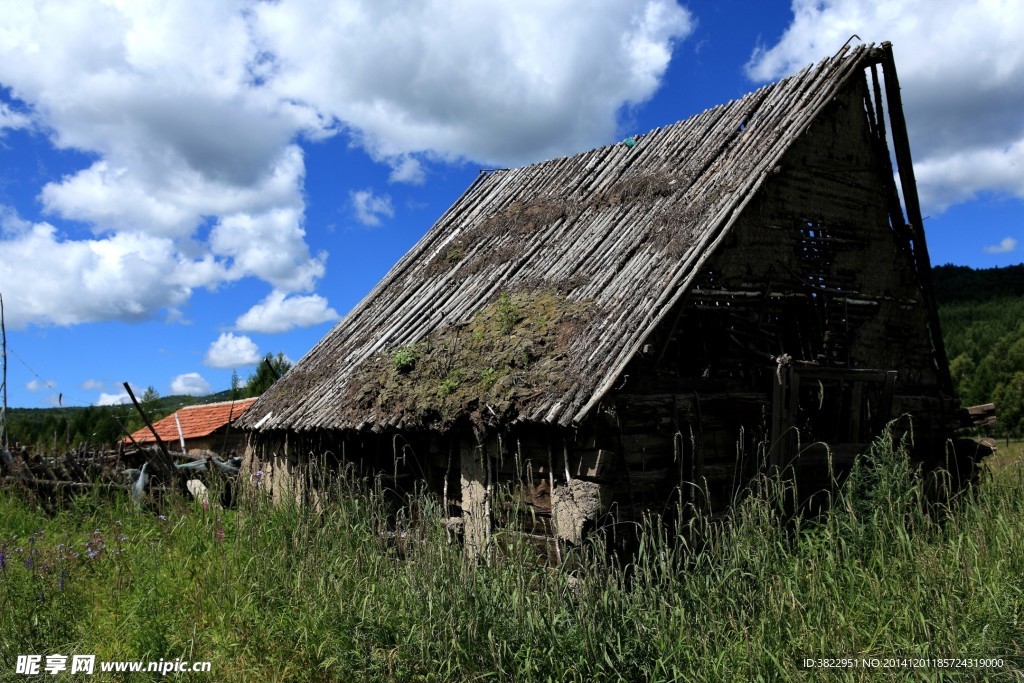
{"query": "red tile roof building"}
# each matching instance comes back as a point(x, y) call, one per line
point(204, 428)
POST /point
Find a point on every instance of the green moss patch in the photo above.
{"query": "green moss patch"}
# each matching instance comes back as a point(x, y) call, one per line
point(512, 353)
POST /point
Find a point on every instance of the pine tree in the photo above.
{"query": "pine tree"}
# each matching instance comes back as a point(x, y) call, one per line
point(267, 372)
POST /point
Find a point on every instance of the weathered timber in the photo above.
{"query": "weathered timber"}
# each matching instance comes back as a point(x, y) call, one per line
point(979, 416)
point(642, 328)
point(165, 462)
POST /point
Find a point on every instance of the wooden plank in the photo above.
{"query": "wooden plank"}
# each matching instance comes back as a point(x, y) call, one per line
point(592, 462)
point(979, 416)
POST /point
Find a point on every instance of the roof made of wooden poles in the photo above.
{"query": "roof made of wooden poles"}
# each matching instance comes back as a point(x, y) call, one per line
point(604, 242)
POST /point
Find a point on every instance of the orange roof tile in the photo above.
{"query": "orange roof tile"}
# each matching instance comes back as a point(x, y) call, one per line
point(196, 421)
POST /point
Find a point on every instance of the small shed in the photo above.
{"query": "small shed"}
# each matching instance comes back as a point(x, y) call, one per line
point(204, 429)
point(657, 319)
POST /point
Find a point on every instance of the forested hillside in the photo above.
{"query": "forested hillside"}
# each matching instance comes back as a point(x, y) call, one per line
point(56, 429)
point(982, 315)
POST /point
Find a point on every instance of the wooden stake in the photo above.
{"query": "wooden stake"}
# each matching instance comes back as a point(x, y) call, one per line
point(181, 434)
point(167, 462)
point(3, 414)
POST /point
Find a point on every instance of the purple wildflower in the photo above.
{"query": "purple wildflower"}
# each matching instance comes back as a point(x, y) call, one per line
point(63, 574)
point(95, 545)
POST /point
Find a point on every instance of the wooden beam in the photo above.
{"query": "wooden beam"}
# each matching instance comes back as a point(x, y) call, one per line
point(901, 148)
point(978, 416)
point(166, 462)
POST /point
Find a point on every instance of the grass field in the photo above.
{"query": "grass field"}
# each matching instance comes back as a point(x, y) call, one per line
point(293, 594)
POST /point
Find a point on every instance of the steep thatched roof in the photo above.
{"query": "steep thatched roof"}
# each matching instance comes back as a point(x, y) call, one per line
point(528, 297)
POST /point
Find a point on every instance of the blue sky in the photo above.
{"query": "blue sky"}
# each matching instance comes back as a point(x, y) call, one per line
point(186, 186)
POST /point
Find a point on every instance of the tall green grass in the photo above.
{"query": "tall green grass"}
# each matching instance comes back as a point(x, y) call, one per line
point(349, 592)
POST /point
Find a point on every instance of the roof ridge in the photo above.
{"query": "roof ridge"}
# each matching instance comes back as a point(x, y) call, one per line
point(217, 403)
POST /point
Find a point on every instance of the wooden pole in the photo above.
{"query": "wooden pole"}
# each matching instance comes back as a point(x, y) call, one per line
point(901, 148)
point(181, 435)
point(273, 370)
point(3, 411)
point(127, 433)
point(167, 461)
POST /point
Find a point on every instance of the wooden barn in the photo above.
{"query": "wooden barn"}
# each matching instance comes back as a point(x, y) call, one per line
point(662, 317)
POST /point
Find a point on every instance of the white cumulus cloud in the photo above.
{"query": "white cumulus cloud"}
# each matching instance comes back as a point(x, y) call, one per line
point(193, 115)
point(496, 82)
point(124, 276)
point(37, 385)
point(268, 246)
point(407, 170)
point(190, 384)
point(121, 397)
point(1005, 246)
point(961, 68)
point(280, 313)
point(369, 207)
point(10, 119)
point(106, 399)
point(232, 351)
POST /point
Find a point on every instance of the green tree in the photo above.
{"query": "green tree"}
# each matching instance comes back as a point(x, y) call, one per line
point(267, 372)
point(963, 369)
point(1009, 399)
point(150, 394)
point(82, 427)
point(106, 430)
